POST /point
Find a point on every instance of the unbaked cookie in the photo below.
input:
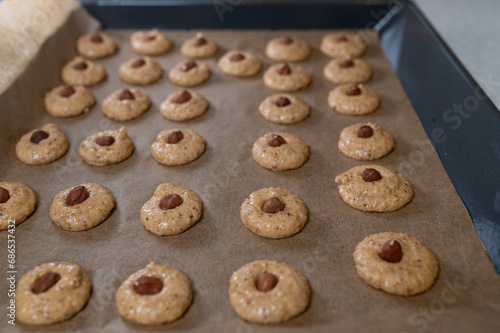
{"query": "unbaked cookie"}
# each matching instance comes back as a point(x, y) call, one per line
point(151, 42)
point(17, 202)
point(365, 141)
point(140, 71)
point(177, 147)
point(284, 109)
point(287, 49)
point(81, 207)
point(274, 213)
point(82, 72)
point(69, 101)
point(125, 104)
point(154, 295)
point(374, 188)
point(42, 146)
point(343, 43)
point(171, 210)
point(396, 263)
point(183, 105)
point(267, 291)
point(200, 46)
point(280, 151)
point(96, 45)
point(347, 70)
point(286, 77)
point(189, 73)
point(107, 147)
point(353, 100)
point(50, 293)
point(239, 64)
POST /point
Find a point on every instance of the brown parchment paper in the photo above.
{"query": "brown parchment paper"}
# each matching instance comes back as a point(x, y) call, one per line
point(465, 298)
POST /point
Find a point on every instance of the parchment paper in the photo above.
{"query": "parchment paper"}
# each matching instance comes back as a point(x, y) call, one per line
point(465, 298)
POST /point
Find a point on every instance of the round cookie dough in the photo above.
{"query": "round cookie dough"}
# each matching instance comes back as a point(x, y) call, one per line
point(168, 304)
point(177, 107)
point(286, 77)
point(289, 298)
point(36, 147)
point(414, 274)
point(99, 149)
point(17, 202)
point(60, 302)
point(189, 73)
point(82, 72)
point(125, 104)
point(290, 155)
point(239, 64)
point(150, 43)
point(140, 71)
point(186, 150)
point(346, 70)
point(284, 109)
point(344, 43)
point(200, 46)
point(390, 193)
point(287, 48)
point(69, 101)
point(95, 46)
point(164, 218)
point(367, 101)
point(85, 215)
point(377, 145)
point(284, 223)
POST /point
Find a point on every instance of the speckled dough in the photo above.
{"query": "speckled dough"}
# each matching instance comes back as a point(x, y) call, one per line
point(86, 215)
point(21, 204)
point(149, 73)
point(282, 224)
point(172, 221)
point(297, 50)
point(388, 194)
point(97, 155)
point(127, 109)
point(93, 74)
point(358, 73)
point(355, 46)
point(46, 151)
point(79, 102)
point(367, 102)
point(186, 150)
point(297, 80)
point(294, 112)
point(193, 77)
point(166, 306)
point(414, 274)
point(91, 50)
point(289, 298)
point(377, 146)
point(194, 107)
point(61, 302)
point(191, 50)
point(142, 44)
point(249, 66)
point(290, 155)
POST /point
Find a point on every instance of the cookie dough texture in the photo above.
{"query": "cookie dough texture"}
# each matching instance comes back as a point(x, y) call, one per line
point(377, 146)
point(282, 224)
point(364, 103)
point(91, 75)
point(298, 79)
point(289, 298)
point(249, 66)
point(191, 50)
point(290, 155)
point(293, 50)
point(343, 43)
point(172, 221)
point(150, 43)
point(83, 216)
point(118, 151)
point(193, 77)
point(294, 112)
point(46, 151)
point(194, 107)
point(79, 102)
point(127, 109)
point(62, 301)
point(388, 194)
point(145, 74)
point(414, 274)
point(358, 73)
point(166, 306)
point(186, 150)
point(92, 50)
point(21, 204)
